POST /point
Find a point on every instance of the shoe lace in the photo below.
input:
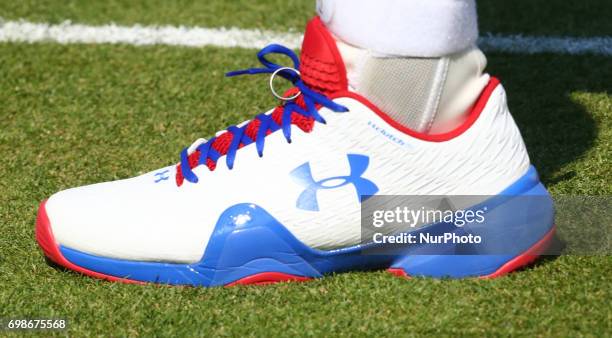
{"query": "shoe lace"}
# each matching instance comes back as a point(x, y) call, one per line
point(300, 108)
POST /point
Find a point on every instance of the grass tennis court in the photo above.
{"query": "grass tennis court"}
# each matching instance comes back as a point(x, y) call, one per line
point(79, 114)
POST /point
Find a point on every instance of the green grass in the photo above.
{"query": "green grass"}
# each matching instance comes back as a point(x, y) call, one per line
point(72, 115)
point(270, 14)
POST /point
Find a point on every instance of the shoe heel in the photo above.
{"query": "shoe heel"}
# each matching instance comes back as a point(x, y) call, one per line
point(514, 234)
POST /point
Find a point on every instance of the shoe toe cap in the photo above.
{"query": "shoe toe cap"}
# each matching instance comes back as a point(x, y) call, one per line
point(123, 220)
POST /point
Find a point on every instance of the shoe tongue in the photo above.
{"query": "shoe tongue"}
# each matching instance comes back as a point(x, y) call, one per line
point(321, 64)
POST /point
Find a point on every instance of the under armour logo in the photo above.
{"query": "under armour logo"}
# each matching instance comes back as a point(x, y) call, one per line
point(161, 176)
point(308, 198)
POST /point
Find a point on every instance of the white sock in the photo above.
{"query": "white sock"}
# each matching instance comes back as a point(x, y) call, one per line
point(417, 28)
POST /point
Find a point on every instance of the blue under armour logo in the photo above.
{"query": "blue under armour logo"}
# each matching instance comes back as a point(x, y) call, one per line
point(161, 176)
point(308, 198)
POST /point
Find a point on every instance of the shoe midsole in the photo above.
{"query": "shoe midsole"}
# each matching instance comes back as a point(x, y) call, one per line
point(267, 246)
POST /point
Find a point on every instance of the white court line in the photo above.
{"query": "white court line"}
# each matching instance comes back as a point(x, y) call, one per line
point(68, 33)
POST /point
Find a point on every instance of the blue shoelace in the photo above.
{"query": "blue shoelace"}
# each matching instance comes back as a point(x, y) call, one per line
point(311, 100)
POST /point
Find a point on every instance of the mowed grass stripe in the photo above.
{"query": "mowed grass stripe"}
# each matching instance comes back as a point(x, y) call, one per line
point(529, 17)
